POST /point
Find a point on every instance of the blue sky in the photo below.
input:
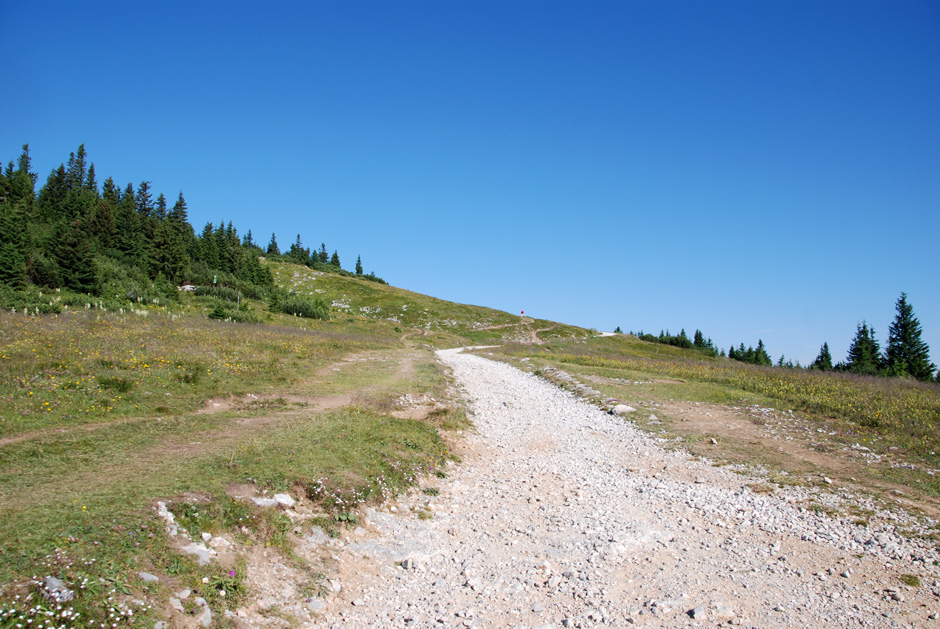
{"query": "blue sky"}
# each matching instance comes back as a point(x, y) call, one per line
point(753, 169)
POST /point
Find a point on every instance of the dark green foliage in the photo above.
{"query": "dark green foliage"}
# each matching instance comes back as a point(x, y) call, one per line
point(121, 245)
point(272, 247)
point(864, 352)
point(618, 330)
point(906, 353)
point(823, 362)
point(758, 356)
point(359, 265)
point(310, 308)
point(680, 340)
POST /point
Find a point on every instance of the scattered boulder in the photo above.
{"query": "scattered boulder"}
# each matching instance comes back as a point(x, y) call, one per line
point(146, 577)
point(622, 409)
point(284, 500)
point(56, 590)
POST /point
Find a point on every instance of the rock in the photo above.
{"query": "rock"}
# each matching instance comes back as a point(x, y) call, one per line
point(202, 553)
point(204, 617)
point(315, 605)
point(57, 591)
point(622, 409)
point(358, 602)
point(206, 537)
point(538, 608)
point(653, 417)
point(284, 500)
point(146, 577)
point(697, 613)
point(177, 604)
point(723, 612)
point(317, 536)
point(184, 594)
point(264, 502)
point(408, 564)
point(713, 441)
point(219, 542)
point(160, 624)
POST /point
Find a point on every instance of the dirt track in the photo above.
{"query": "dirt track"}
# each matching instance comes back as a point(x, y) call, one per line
point(561, 515)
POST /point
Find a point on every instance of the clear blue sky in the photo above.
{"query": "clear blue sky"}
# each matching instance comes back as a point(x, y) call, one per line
point(753, 169)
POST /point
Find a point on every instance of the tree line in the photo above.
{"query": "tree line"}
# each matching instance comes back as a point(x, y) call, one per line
point(123, 242)
point(906, 354)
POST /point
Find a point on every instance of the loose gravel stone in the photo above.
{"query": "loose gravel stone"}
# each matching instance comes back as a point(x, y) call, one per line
point(562, 513)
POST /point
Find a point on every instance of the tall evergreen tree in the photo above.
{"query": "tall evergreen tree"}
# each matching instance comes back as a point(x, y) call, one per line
point(159, 209)
point(90, 182)
point(359, 265)
point(334, 260)
point(864, 352)
point(823, 362)
point(179, 213)
point(907, 353)
point(144, 199)
point(273, 249)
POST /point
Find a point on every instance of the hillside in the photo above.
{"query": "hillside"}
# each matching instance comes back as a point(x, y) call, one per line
point(421, 313)
point(108, 411)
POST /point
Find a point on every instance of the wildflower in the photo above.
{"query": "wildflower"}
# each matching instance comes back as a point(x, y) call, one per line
point(205, 579)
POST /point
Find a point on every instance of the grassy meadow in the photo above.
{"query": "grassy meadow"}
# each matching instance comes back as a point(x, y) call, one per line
point(104, 412)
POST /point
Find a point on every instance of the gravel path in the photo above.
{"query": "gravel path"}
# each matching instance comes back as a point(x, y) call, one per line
point(561, 515)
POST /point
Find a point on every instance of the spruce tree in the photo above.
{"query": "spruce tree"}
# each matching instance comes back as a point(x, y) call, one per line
point(359, 265)
point(272, 246)
point(906, 353)
point(159, 210)
point(144, 199)
point(823, 362)
point(864, 352)
point(335, 259)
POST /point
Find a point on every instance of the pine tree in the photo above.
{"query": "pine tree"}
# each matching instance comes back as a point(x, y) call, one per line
point(90, 182)
point(335, 259)
point(823, 362)
point(144, 199)
point(159, 210)
point(906, 353)
point(323, 255)
point(698, 340)
point(761, 357)
point(359, 265)
point(179, 214)
point(272, 246)
point(864, 352)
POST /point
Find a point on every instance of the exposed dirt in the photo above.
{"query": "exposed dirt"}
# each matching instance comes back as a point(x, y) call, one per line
point(754, 435)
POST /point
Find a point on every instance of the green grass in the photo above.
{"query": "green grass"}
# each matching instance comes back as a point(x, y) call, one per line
point(418, 314)
point(101, 408)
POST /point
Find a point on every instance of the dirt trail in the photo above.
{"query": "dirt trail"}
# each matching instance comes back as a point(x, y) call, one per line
point(561, 515)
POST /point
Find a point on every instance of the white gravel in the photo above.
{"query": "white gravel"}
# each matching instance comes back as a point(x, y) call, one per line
point(561, 515)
